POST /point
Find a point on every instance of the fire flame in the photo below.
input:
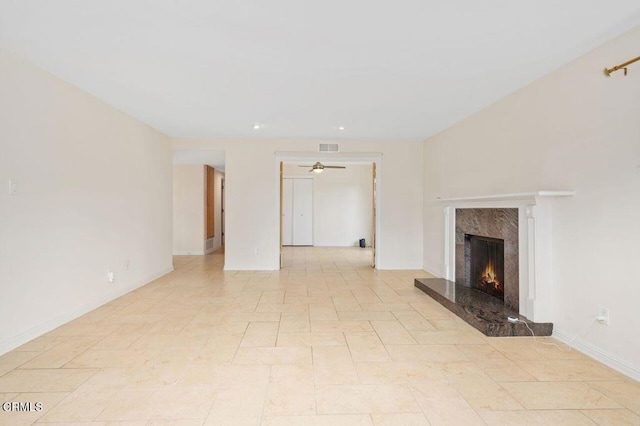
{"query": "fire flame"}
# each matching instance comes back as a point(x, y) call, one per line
point(490, 278)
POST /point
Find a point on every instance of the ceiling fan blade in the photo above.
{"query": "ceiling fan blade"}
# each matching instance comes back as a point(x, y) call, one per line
point(305, 166)
point(334, 167)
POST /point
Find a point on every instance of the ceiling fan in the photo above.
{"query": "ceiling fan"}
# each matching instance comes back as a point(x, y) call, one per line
point(319, 167)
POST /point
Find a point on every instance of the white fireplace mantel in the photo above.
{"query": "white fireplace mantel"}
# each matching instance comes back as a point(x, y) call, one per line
point(512, 197)
point(535, 232)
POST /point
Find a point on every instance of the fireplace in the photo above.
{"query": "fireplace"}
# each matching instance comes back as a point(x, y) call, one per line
point(485, 264)
point(487, 252)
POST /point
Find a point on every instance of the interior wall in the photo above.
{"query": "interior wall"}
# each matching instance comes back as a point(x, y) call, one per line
point(252, 208)
point(189, 209)
point(342, 204)
point(93, 194)
point(571, 130)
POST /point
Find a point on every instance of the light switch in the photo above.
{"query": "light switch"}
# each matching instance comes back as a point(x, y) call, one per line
point(13, 187)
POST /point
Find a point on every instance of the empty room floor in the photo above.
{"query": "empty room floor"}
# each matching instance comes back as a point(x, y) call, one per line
point(325, 341)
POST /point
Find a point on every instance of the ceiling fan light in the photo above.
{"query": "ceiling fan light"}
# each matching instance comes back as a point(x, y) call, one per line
point(317, 170)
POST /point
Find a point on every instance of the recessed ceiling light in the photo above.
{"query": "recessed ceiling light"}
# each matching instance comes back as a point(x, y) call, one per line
point(340, 127)
point(256, 126)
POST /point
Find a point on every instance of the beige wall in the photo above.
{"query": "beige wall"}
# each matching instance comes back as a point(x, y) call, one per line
point(94, 193)
point(189, 209)
point(571, 130)
point(252, 200)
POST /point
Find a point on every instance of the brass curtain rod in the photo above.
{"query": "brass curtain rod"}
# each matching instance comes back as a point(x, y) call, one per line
point(623, 66)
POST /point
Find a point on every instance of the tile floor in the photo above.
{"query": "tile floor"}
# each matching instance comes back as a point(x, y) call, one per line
point(325, 341)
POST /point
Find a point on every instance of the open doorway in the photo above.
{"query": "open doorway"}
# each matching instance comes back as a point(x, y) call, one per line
point(341, 213)
point(198, 202)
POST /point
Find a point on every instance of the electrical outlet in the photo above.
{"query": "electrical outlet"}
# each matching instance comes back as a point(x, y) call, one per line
point(603, 316)
point(110, 276)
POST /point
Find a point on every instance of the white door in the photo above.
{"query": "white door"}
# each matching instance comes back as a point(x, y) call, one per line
point(303, 212)
point(287, 212)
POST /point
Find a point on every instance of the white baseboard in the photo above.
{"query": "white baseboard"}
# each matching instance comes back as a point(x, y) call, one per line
point(598, 354)
point(189, 253)
point(399, 268)
point(433, 271)
point(45, 327)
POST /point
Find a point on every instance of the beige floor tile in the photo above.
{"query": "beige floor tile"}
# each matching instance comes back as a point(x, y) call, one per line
point(388, 307)
point(172, 403)
point(346, 303)
point(284, 307)
point(558, 396)
point(508, 373)
point(260, 334)
point(105, 358)
point(332, 365)
point(568, 370)
point(42, 343)
point(319, 420)
point(399, 419)
point(535, 418)
point(129, 404)
point(400, 372)
point(392, 333)
point(366, 347)
point(449, 337)
point(252, 317)
point(443, 405)
point(15, 359)
point(625, 392)
point(175, 422)
point(273, 356)
point(366, 297)
point(272, 296)
point(218, 349)
point(71, 329)
point(359, 399)
point(340, 326)
point(324, 312)
point(237, 406)
point(516, 349)
point(613, 417)
point(168, 342)
point(413, 321)
point(442, 353)
point(224, 376)
point(366, 316)
point(432, 310)
point(44, 380)
point(207, 330)
point(311, 339)
point(291, 391)
point(123, 337)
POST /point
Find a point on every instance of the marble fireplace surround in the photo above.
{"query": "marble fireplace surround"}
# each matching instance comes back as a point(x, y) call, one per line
point(535, 285)
point(492, 222)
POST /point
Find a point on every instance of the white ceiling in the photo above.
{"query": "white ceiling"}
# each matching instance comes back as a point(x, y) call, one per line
point(385, 70)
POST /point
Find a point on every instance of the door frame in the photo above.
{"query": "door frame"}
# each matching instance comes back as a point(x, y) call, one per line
point(363, 158)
